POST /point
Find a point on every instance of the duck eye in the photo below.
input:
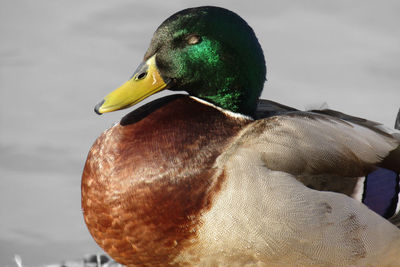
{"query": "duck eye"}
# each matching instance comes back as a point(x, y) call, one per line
point(193, 39)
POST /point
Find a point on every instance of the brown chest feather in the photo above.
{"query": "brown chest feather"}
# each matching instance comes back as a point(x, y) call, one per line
point(145, 184)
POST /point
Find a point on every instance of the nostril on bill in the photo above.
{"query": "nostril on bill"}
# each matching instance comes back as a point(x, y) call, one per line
point(141, 76)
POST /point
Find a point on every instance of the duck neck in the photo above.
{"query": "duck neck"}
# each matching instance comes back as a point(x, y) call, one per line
point(232, 100)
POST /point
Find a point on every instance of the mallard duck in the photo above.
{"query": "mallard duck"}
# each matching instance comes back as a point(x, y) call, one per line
point(220, 178)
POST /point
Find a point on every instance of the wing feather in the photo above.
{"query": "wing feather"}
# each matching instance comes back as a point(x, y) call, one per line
point(307, 144)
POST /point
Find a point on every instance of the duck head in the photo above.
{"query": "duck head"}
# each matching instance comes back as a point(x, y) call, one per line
point(209, 52)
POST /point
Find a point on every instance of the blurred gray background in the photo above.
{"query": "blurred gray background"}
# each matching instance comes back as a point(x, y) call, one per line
point(59, 58)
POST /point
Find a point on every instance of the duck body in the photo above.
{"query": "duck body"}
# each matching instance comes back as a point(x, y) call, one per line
point(206, 193)
point(210, 179)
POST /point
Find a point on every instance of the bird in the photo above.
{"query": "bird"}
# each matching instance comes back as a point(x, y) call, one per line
point(219, 177)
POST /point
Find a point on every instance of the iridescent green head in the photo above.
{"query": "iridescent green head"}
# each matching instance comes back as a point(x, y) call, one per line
point(211, 53)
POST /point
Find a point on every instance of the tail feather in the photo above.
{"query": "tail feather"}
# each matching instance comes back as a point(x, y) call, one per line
point(396, 218)
point(382, 188)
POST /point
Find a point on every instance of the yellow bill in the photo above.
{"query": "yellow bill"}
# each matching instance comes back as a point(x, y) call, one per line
point(144, 82)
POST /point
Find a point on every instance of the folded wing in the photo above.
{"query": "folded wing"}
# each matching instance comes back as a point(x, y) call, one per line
point(331, 151)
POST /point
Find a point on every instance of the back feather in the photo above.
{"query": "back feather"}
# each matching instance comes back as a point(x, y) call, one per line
point(337, 152)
